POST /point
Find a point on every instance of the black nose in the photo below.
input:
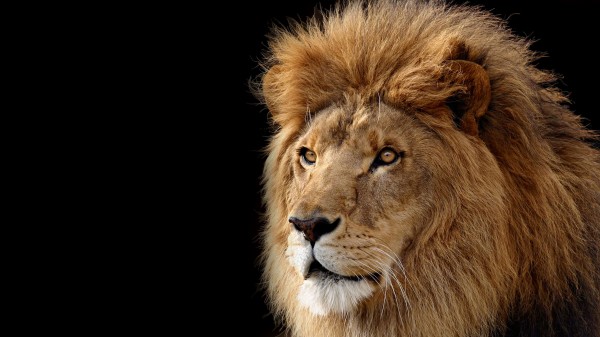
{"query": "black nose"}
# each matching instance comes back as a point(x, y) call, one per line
point(315, 227)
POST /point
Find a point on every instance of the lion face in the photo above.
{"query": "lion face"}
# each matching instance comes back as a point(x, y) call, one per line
point(358, 195)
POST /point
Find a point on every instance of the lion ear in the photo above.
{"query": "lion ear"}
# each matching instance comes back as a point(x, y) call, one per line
point(271, 88)
point(472, 101)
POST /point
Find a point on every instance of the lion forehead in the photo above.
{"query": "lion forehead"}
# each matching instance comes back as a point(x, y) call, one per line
point(364, 127)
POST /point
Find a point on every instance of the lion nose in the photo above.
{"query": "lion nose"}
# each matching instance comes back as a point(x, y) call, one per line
point(314, 228)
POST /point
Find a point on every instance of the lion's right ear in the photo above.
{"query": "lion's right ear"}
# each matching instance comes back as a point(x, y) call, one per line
point(272, 90)
point(289, 96)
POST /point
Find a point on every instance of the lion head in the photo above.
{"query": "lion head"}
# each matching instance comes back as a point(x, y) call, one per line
point(424, 179)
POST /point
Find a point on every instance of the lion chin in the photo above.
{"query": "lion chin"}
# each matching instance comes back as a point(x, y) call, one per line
point(324, 291)
point(323, 295)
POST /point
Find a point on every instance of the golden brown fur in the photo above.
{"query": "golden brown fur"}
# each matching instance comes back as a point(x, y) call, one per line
point(487, 223)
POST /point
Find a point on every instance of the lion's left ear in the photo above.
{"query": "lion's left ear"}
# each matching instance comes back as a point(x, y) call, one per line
point(472, 101)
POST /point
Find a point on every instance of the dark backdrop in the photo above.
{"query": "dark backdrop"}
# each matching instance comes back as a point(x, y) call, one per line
point(565, 30)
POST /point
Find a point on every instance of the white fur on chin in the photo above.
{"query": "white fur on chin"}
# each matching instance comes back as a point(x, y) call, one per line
point(324, 296)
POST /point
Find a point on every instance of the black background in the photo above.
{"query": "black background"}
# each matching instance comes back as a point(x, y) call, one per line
point(565, 30)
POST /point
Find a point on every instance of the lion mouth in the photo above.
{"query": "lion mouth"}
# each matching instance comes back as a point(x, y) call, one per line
point(316, 269)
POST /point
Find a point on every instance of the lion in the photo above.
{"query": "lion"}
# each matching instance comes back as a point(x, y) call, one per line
point(424, 178)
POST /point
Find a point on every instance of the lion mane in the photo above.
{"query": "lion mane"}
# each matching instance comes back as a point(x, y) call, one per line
point(424, 178)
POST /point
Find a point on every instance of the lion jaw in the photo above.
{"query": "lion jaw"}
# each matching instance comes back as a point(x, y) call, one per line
point(318, 293)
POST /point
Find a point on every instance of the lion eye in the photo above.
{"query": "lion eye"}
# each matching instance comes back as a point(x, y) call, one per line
point(308, 156)
point(386, 156)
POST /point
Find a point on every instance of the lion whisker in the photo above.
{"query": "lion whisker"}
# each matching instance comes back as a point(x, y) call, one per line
point(391, 278)
point(397, 262)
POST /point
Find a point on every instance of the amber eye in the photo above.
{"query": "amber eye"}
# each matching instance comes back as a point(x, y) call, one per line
point(308, 156)
point(386, 156)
